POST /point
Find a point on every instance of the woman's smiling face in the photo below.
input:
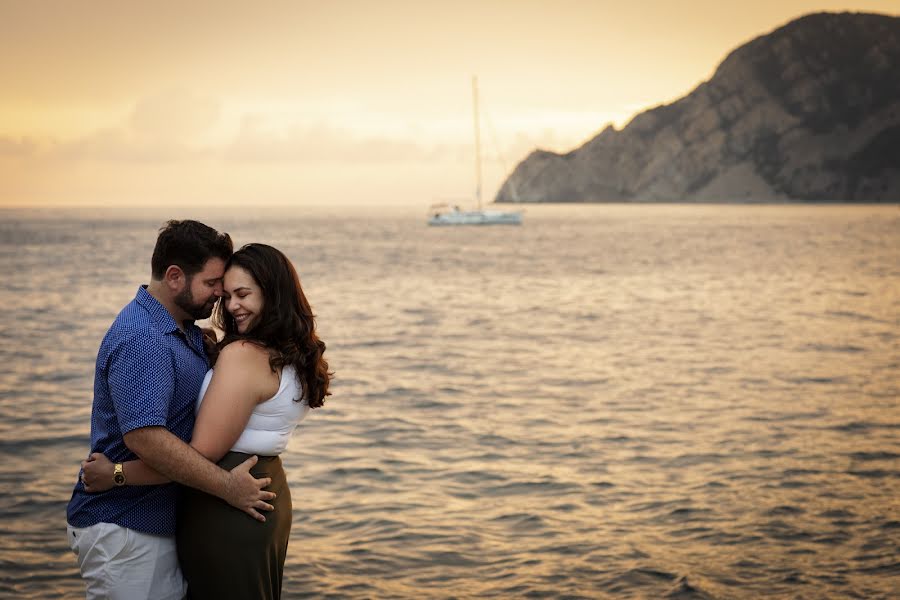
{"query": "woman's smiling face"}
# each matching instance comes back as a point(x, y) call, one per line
point(243, 298)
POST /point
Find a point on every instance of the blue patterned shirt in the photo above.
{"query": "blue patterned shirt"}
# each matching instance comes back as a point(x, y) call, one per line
point(148, 374)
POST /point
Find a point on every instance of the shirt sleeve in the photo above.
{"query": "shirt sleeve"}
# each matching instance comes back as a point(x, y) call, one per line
point(141, 379)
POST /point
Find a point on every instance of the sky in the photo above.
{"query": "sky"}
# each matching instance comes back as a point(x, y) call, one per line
point(111, 103)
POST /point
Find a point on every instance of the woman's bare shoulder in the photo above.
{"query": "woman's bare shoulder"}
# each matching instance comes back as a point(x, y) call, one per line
point(244, 351)
point(244, 366)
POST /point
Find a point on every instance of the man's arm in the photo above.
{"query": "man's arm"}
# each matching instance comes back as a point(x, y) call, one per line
point(244, 380)
point(165, 453)
point(141, 377)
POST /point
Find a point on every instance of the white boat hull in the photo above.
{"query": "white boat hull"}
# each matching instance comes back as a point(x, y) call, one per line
point(476, 217)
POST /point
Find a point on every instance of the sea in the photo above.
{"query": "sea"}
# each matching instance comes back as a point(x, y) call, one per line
point(609, 401)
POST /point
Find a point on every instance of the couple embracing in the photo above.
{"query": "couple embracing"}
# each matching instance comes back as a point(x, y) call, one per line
point(162, 416)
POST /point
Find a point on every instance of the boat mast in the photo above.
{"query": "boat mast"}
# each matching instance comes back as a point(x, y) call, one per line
point(477, 142)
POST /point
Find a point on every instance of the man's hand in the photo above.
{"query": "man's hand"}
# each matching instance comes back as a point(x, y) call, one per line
point(246, 493)
point(97, 473)
point(163, 452)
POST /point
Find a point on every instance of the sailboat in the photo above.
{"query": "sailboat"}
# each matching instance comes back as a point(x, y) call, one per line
point(446, 214)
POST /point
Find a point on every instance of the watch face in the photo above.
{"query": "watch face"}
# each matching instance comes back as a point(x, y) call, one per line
point(119, 479)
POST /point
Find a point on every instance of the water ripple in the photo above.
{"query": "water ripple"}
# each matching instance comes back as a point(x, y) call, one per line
point(714, 416)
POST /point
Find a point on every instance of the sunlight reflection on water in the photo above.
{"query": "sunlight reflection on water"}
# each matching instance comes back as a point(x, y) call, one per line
point(630, 401)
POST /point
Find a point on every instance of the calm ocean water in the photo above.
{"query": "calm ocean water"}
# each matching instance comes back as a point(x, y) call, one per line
point(609, 401)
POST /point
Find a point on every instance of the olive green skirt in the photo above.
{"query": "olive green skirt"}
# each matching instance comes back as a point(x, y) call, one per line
point(224, 552)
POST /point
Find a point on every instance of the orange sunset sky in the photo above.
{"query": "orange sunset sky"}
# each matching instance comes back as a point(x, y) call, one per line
point(343, 102)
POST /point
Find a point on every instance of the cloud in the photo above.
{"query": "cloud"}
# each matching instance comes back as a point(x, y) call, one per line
point(117, 145)
point(175, 114)
point(323, 143)
point(18, 147)
point(181, 126)
point(164, 128)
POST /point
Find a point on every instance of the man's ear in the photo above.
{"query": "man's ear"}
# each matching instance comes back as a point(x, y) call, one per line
point(174, 278)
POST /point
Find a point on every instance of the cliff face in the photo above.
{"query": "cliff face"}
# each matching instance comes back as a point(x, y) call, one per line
point(809, 112)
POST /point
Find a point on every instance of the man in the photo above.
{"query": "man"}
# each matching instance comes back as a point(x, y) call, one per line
point(149, 370)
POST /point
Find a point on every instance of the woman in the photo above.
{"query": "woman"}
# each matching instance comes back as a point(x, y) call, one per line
point(269, 372)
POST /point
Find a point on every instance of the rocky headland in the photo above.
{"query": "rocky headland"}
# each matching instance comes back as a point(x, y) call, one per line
point(807, 113)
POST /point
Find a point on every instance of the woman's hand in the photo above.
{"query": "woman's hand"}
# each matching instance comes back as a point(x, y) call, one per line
point(97, 473)
point(211, 343)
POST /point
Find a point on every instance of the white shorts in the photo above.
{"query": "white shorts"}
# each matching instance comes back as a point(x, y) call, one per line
point(123, 564)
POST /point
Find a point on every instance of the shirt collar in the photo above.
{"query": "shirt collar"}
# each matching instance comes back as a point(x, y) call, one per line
point(166, 324)
point(158, 313)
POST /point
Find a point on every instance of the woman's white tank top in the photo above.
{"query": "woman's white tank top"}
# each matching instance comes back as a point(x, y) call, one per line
point(273, 421)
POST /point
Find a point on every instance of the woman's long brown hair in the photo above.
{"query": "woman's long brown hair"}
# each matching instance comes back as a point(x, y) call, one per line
point(286, 326)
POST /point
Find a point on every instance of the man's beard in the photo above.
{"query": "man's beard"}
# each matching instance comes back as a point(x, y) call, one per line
point(185, 301)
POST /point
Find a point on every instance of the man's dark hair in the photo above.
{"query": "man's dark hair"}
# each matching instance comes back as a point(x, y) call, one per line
point(188, 244)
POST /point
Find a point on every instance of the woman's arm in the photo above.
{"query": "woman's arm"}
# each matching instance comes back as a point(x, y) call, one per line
point(242, 379)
